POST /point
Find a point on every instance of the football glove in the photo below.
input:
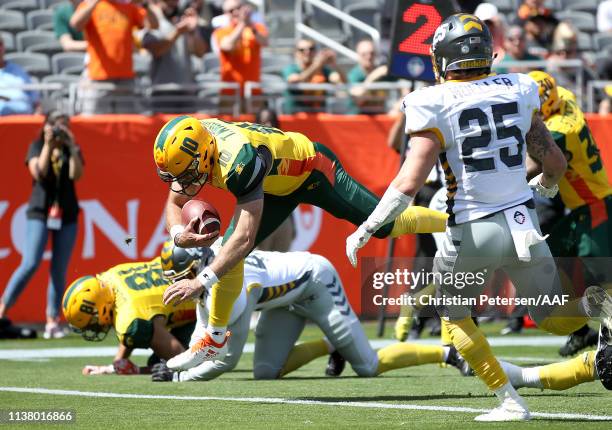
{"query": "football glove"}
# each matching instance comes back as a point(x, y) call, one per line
point(355, 241)
point(124, 366)
point(161, 373)
point(537, 186)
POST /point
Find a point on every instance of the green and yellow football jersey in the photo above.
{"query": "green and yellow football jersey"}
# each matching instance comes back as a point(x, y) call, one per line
point(293, 157)
point(585, 181)
point(138, 289)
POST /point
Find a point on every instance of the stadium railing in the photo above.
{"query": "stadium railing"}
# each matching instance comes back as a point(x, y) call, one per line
point(592, 88)
point(308, 31)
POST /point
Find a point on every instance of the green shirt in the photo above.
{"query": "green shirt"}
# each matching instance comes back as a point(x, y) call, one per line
point(292, 104)
point(61, 22)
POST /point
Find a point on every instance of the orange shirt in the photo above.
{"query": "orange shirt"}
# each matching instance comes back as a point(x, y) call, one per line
point(109, 37)
point(244, 62)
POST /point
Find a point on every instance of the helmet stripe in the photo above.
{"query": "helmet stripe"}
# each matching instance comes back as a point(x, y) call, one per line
point(163, 135)
point(74, 287)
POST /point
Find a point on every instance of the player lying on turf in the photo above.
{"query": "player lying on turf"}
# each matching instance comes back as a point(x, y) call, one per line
point(270, 172)
point(128, 297)
point(290, 289)
point(481, 126)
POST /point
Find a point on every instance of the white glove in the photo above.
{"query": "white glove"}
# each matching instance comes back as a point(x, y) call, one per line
point(536, 185)
point(355, 241)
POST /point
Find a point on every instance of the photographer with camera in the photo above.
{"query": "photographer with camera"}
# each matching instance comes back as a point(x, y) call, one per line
point(55, 162)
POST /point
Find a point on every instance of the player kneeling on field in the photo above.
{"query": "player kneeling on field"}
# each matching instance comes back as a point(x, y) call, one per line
point(128, 297)
point(290, 289)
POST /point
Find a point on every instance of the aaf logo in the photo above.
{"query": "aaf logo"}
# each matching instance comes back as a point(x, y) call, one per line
point(519, 217)
point(470, 21)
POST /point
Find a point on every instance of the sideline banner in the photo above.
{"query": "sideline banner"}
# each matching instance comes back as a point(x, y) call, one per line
point(122, 199)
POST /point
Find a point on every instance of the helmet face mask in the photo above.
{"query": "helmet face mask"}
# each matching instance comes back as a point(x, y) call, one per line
point(181, 263)
point(93, 332)
point(184, 153)
point(461, 42)
point(547, 90)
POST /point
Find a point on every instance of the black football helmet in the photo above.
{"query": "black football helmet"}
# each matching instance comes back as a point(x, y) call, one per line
point(461, 42)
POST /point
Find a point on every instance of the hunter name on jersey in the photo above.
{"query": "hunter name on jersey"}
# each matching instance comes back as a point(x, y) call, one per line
point(483, 139)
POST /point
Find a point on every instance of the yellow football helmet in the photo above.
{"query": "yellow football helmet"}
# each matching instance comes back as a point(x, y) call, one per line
point(88, 307)
point(184, 152)
point(179, 263)
point(549, 96)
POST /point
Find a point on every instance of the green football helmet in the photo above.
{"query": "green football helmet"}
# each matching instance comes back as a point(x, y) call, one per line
point(461, 42)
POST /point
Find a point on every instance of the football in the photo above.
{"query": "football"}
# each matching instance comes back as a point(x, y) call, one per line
point(209, 220)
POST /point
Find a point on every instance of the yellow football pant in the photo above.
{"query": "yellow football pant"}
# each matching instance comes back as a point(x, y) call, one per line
point(224, 294)
point(400, 355)
point(568, 374)
point(473, 346)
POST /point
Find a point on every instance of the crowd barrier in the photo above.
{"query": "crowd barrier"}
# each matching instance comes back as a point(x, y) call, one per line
point(122, 199)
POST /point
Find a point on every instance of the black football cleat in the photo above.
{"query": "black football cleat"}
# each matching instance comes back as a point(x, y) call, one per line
point(161, 373)
point(456, 360)
point(335, 364)
point(579, 340)
point(603, 356)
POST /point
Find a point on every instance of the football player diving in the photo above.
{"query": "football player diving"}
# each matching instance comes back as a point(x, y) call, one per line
point(290, 289)
point(481, 126)
point(270, 172)
point(585, 190)
point(128, 297)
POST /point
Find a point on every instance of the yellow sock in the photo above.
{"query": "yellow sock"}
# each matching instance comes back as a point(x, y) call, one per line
point(445, 337)
point(304, 353)
point(400, 355)
point(563, 325)
point(224, 294)
point(417, 219)
point(568, 374)
point(473, 346)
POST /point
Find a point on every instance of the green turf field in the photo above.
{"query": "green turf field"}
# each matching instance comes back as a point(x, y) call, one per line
point(416, 398)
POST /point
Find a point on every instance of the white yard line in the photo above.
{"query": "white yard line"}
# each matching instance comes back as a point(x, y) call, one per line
point(109, 351)
point(348, 404)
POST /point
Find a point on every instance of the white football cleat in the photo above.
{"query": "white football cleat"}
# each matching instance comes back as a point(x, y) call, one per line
point(512, 409)
point(205, 349)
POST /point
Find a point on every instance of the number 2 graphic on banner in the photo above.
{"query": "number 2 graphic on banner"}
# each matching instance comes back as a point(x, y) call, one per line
point(415, 43)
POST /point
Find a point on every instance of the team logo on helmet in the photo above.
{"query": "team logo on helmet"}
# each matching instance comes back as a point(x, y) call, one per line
point(470, 21)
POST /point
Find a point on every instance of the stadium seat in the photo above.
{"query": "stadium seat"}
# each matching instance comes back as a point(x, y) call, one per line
point(583, 21)
point(602, 41)
point(504, 6)
point(33, 37)
point(21, 5)
point(272, 79)
point(34, 63)
point(201, 78)
point(585, 5)
point(281, 28)
point(68, 63)
point(65, 80)
point(211, 62)
point(585, 42)
point(325, 23)
point(40, 20)
point(12, 20)
point(274, 63)
point(9, 41)
point(553, 5)
point(280, 6)
point(51, 4)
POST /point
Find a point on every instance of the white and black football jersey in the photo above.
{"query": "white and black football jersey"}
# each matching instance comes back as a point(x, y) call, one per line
point(481, 124)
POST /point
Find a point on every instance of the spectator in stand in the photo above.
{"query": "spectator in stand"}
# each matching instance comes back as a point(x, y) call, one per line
point(565, 47)
point(204, 11)
point(69, 38)
point(310, 67)
point(55, 163)
point(108, 28)
point(604, 16)
point(539, 30)
point(240, 45)
point(13, 99)
point(171, 46)
point(516, 50)
point(367, 71)
point(489, 14)
point(531, 8)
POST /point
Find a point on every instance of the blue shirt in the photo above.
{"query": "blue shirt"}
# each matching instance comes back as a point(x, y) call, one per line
point(11, 77)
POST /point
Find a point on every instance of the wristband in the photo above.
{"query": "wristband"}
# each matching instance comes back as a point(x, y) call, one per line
point(175, 230)
point(207, 278)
